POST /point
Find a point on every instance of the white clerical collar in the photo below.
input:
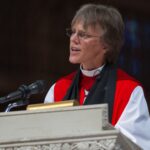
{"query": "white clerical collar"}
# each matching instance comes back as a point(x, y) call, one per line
point(91, 73)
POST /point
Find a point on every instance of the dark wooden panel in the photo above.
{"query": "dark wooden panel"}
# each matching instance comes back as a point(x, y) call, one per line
point(33, 42)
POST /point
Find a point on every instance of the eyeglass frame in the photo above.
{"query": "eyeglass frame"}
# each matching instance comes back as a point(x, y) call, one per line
point(80, 34)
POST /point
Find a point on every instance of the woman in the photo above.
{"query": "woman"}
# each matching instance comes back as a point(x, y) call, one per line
point(96, 37)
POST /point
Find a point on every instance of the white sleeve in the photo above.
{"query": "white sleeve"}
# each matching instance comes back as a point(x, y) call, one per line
point(135, 120)
point(50, 95)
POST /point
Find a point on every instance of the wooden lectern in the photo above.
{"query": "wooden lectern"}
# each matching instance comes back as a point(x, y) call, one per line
point(68, 128)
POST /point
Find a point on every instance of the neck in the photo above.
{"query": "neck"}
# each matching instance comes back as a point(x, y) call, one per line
point(90, 67)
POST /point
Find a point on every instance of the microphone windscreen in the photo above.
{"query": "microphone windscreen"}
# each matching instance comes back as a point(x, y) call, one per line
point(37, 87)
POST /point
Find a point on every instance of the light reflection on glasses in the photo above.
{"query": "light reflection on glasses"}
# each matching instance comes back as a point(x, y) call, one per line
point(80, 34)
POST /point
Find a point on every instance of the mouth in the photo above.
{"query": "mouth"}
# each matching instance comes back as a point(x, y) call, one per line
point(75, 49)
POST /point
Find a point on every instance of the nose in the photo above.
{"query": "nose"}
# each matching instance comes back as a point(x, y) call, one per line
point(74, 38)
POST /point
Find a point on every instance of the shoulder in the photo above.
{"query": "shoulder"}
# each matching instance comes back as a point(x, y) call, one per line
point(126, 86)
point(65, 81)
point(62, 85)
point(67, 78)
point(126, 83)
point(125, 78)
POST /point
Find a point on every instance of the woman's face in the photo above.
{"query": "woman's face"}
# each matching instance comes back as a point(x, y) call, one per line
point(86, 46)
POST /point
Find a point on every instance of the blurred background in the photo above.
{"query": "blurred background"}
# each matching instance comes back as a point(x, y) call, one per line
point(33, 44)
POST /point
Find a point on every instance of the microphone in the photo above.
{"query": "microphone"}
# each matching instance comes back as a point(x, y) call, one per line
point(24, 91)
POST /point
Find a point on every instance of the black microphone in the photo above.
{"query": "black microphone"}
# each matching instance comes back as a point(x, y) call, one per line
point(24, 91)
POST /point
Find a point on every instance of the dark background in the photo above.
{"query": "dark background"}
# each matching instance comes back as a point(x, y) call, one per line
point(33, 44)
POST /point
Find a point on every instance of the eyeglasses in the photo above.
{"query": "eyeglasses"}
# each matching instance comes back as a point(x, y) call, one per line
point(80, 34)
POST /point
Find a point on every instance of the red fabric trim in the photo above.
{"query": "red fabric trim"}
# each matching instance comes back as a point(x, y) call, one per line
point(62, 86)
point(82, 96)
point(87, 82)
point(124, 87)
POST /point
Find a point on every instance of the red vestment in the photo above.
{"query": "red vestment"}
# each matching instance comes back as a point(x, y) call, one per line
point(125, 85)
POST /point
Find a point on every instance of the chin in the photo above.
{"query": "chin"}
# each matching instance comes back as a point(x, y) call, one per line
point(74, 61)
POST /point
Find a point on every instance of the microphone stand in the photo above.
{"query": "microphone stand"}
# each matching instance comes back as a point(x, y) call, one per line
point(16, 104)
point(24, 92)
point(24, 101)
